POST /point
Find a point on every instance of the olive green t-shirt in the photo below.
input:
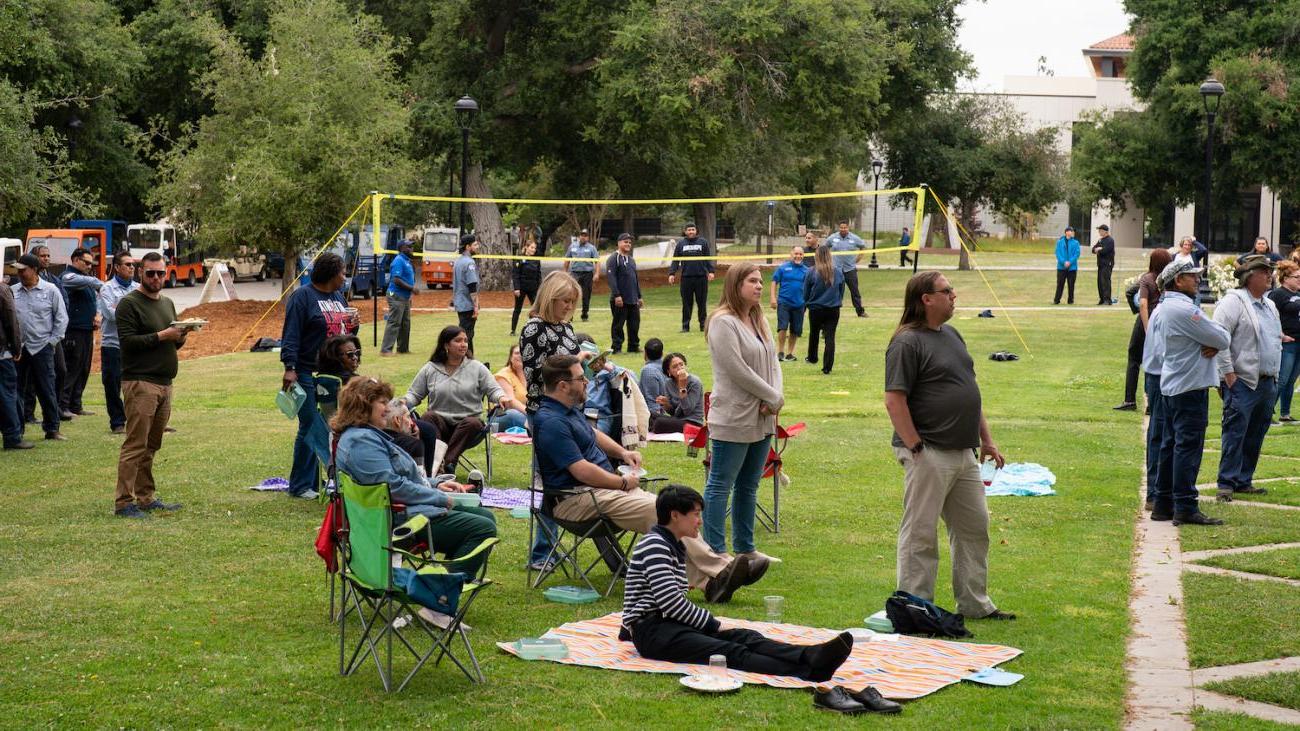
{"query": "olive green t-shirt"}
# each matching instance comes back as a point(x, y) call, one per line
point(144, 356)
point(937, 373)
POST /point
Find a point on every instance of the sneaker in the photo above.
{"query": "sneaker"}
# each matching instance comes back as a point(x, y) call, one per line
point(130, 511)
point(20, 444)
point(1286, 419)
point(66, 415)
point(544, 566)
point(780, 356)
point(791, 357)
point(305, 495)
point(160, 505)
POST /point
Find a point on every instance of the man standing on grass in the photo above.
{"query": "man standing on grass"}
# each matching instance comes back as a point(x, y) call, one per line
point(401, 284)
point(1188, 371)
point(846, 240)
point(1067, 264)
point(787, 300)
point(625, 301)
point(42, 254)
point(81, 291)
point(464, 288)
point(935, 406)
point(11, 347)
point(149, 343)
point(1105, 251)
point(1248, 371)
point(695, 273)
point(110, 348)
point(43, 321)
point(583, 271)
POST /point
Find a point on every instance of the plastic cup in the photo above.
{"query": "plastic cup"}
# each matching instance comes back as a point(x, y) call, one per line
point(774, 604)
point(988, 470)
point(717, 665)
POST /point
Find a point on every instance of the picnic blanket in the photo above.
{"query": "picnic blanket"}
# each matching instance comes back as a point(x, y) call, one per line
point(509, 497)
point(506, 437)
point(1025, 479)
point(909, 667)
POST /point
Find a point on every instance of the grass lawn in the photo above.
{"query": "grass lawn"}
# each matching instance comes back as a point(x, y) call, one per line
point(1284, 562)
point(1223, 721)
point(1233, 621)
point(1280, 689)
point(1245, 526)
point(217, 616)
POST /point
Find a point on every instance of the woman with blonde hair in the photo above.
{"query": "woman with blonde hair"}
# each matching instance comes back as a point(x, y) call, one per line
point(823, 295)
point(746, 399)
point(369, 456)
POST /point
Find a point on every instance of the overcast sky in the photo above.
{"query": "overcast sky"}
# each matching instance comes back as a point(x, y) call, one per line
point(1006, 37)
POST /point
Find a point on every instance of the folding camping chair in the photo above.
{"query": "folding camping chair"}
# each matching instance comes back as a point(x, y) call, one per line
point(383, 607)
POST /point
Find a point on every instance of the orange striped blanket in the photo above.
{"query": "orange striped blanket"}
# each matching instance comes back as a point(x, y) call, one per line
point(909, 668)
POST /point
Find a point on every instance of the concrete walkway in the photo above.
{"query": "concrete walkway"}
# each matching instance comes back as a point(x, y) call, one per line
point(1163, 688)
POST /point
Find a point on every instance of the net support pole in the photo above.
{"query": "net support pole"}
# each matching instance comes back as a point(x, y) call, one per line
point(917, 218)
point(375, 203)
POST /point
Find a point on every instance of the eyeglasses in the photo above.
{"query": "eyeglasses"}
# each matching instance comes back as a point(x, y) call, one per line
point(154, 273)
point(946, 290)
point(582, 378)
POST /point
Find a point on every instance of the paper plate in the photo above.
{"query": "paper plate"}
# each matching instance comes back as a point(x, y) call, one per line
point(711, 683)
point(625, 470)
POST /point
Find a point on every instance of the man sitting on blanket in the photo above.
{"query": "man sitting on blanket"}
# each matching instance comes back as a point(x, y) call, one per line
point(665, 625)
point(574, 457)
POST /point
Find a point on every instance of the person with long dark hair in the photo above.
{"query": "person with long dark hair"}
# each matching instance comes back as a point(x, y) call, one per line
point(823, 294)
point(525, 278)
point(683, 398)
point(455, 385)
point(1148, 297)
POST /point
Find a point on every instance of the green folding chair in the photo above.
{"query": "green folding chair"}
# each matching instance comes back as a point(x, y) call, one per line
point(383, 608)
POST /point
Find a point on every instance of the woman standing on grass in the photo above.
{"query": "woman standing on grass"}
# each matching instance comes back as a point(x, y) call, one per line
point(1287, 298)
point(1148, 298)
point(823, 294)
point(525, 276)
point(746, 399)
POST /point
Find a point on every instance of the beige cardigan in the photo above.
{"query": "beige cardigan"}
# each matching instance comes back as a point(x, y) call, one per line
point(745, 375)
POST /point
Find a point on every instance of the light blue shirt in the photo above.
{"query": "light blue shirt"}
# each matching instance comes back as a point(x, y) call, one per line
point(463, 274)
point(1153, 349)
point(851, 242)
point(653, 383)
point(41, 315)
point(587, 251)
point(109, 295)
point(1186, 330)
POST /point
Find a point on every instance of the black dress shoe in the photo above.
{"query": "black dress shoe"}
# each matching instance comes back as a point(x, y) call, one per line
point(1251, 491)
point(873, 701)
point(1126, 406)
point(1197, 518)
point(66, 415)
point(1161, 515)
point(837, 699)
point(20, 444)
point(721, 587)
point(998, 614)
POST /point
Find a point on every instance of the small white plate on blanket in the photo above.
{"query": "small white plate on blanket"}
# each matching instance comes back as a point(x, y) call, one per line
point(711, 683)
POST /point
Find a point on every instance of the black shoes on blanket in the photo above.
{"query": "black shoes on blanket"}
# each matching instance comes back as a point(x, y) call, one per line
point(867, 700)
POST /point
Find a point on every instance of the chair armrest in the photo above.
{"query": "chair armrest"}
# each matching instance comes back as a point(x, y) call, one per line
point(412, 526)
point(486, 545)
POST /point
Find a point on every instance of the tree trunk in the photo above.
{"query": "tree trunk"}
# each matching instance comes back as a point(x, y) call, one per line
point(706, 221)
point(629, 221)
point(966, 221)
point(290, 269)
point(491, 231)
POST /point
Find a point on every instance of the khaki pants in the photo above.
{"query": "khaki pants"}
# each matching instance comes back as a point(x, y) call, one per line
point(148, 407)
point(635, 510)
point(944, 483)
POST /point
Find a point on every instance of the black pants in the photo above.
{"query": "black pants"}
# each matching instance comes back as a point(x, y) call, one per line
point(822, 321)
point(36, 376)
point(531, 294)
point(695, 292)
point(1104, 269)
point(903, 258)
point(1136, 342)
point(630, 314)
point(851, 279)
point(1063, 276)
point(78, 350)
point(664, 424)
point(460, 435)
point(584, 283)
point(466, 320)
point(30, 396)
point(110, 374)
point(745, 649)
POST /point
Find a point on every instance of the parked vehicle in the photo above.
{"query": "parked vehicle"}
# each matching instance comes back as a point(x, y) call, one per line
point(184, 260)
point(63, 241)
point(114, 237)
point(369, 270)
point(437, 270)
point(10, 250)
point(249, 264)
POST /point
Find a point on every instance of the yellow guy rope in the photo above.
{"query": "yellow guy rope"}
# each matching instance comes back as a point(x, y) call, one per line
point(962, 230)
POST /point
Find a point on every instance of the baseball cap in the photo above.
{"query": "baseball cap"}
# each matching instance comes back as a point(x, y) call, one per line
point(27, 261)
point(625, 237)
point(1174, 270)
point(1103, 227)
point(584, 231)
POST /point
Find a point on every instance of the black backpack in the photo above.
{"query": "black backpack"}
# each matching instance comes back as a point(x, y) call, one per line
point(912, 615)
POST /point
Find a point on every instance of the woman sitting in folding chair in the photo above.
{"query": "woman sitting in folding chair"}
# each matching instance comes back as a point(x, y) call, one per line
point(455, 385)
point(370, 457)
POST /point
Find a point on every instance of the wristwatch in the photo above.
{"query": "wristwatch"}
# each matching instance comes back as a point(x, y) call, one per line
point(917, 449)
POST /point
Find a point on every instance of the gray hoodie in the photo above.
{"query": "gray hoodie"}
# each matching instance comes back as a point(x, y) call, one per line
point(456, 395)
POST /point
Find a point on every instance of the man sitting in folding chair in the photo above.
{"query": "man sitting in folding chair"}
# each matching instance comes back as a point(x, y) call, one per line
point(573, 456)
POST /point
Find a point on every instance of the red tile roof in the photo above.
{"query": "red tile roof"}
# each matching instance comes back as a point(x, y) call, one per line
point(1121, 42)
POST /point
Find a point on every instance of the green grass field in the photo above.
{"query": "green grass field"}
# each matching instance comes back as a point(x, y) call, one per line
point(217, 616)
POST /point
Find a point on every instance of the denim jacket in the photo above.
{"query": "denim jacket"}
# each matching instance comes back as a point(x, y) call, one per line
point(370, 457)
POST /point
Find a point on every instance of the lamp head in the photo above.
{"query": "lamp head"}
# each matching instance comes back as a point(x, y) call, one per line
point(466, 108)
point(1211, 90)
point(876, 166)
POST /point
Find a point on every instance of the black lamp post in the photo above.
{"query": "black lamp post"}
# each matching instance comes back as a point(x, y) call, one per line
point(771, 208)
point(1211, 90)
point(466, 108)
point(876, 165)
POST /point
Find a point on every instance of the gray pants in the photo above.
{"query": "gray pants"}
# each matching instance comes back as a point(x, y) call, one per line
point(944, 483)
point(398, 329)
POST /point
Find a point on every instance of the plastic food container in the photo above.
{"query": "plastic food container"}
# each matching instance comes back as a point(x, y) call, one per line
point(570, 595)
point(541, 648)
point(465, 499)
point(290, 402)
point(879, 622)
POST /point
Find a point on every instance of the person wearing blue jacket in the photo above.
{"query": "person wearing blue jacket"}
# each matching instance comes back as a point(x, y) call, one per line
point(401, 284)
point(823, 294)
point(625, 300)
point(81, 292)
point(787, 300)
point(1067, 264)
point(369, 456)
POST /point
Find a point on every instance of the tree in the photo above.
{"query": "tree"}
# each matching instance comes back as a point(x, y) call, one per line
point(296, 139)
point(34, 172)
point(975, 152)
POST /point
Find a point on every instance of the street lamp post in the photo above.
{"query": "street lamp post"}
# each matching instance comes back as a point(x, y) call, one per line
point(771, 207)
point(1211, 90)
point(466, 108)
point(876, 165)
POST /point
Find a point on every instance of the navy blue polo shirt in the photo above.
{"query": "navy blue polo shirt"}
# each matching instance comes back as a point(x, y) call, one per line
point(563, 436)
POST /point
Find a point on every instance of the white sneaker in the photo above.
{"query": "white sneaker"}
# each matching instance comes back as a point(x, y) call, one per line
point(751, 555)
point(309, 495)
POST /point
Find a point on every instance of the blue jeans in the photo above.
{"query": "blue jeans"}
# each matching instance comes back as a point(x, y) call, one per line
point(1189, 414)
point(510, 419)
point(110, 366)
point(736, 468)
point(1246, 417)
point(36, 372)
point(11, 419)
point(304, 475)
point(1156, 427)
point(1287, 377)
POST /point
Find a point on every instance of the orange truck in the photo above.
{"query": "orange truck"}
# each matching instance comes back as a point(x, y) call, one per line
point(437, 272)
point(184, 260)
point(63, 241)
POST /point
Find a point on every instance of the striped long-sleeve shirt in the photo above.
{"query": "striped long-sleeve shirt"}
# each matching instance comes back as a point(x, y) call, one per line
point(656, 584)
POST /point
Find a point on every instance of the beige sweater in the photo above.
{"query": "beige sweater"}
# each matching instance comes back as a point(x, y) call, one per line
point(745, 375)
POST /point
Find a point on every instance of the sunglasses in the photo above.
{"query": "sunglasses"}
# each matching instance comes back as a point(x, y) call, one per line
point(352, 353)
point(154, 273)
